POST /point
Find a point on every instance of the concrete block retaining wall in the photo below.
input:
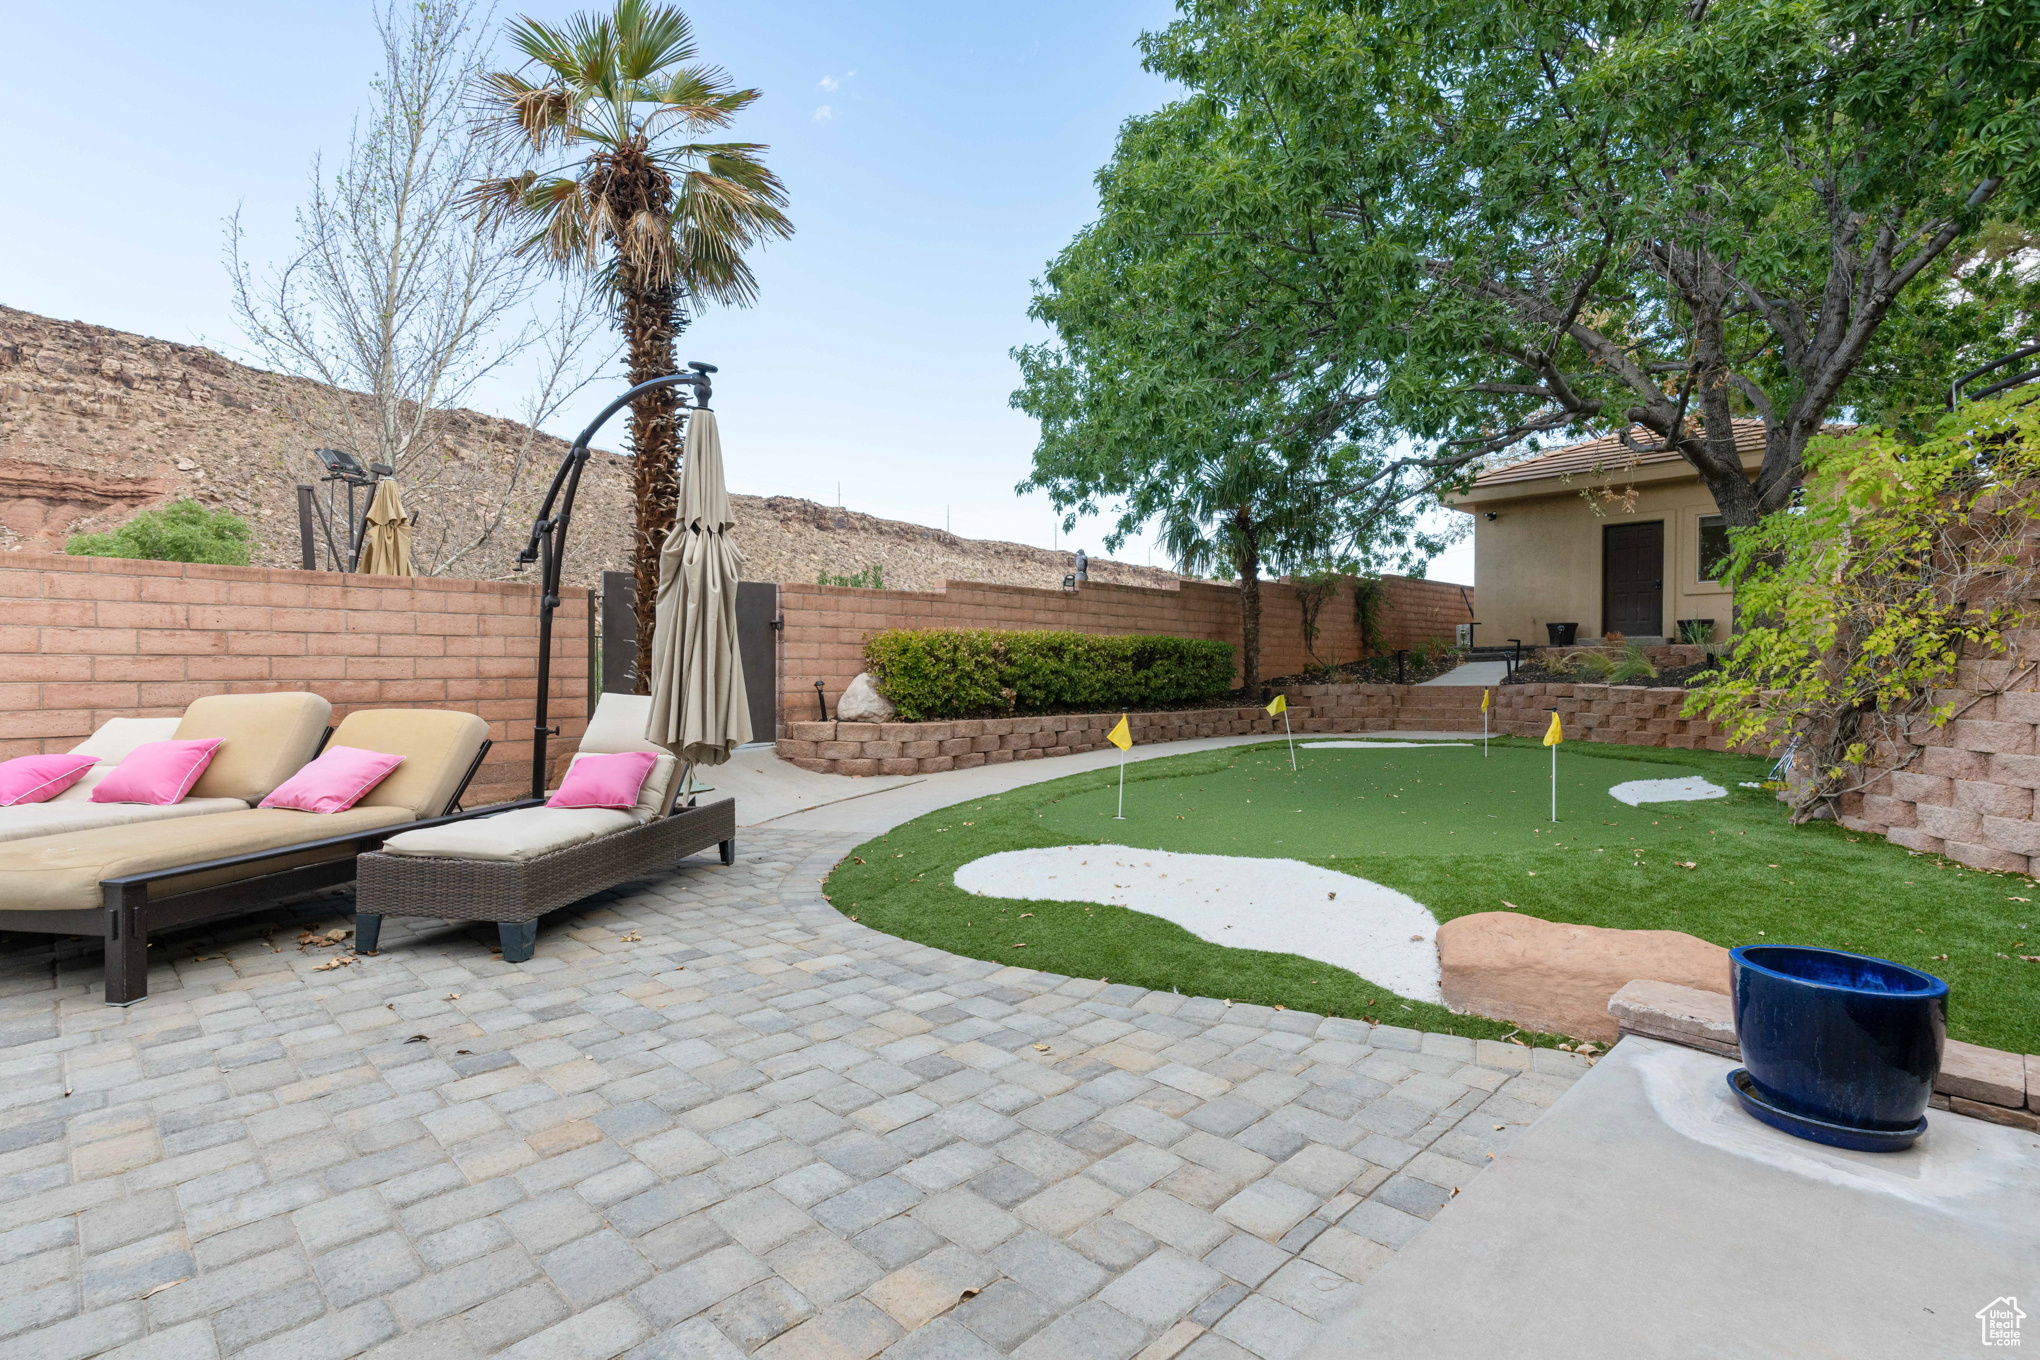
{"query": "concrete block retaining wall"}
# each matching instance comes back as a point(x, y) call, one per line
point(1969, 794)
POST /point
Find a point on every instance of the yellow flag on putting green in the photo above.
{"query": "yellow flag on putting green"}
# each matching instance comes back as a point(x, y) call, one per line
point(1280, 706)
point(1554, 734)
point(1483, 701)
point(1121, 736)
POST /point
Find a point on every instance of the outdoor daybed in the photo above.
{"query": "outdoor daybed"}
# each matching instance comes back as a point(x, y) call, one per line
point(513, 867)
point(125, 882)
point(264, 739)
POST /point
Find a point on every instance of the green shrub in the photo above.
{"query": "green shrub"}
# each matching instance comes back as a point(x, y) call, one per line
point(182, 531)
point(1632, 667)
point(871, 578)
point(972, 673)
point(1604, 669)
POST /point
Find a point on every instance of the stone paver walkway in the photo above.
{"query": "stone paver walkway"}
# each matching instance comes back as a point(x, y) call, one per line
point(713, 1118)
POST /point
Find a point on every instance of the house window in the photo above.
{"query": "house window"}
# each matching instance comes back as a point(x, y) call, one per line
point(1713, 546)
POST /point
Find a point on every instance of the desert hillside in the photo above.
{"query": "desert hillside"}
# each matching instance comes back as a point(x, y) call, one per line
point(96, 424)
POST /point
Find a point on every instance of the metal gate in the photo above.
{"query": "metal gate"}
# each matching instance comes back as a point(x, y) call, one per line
point(758, 648)
point(757, 645)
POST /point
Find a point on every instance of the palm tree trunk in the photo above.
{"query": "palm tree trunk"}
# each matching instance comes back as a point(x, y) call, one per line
point(1249, 565)
point(651, 322)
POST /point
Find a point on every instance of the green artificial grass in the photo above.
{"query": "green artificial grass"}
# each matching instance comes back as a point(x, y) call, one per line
point(1460, 833)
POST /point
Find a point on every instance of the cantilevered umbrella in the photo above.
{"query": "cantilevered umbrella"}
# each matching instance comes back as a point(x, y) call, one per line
point(699, 707)
point(386, 539)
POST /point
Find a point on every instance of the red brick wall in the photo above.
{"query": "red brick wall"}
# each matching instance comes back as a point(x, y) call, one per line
point(84, 639)
point(826, 625)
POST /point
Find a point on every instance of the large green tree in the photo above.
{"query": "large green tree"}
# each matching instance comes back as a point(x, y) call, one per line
point(1175, 397)
point(612, 106)
point(1428, 234)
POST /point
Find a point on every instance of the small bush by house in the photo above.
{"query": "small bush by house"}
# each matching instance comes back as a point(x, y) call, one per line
point(933, 674)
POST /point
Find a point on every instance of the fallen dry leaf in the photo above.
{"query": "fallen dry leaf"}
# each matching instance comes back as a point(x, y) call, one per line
point(1511, 905)
point(632, 938)
point(1025, 914)
point(453, 996)
point(1684, 864)
point(1415, 938)
point(167, 1284)
point(416, 1039)
point(1041, 1048)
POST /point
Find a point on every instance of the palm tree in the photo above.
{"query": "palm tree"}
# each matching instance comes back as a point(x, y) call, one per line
point(612, 103)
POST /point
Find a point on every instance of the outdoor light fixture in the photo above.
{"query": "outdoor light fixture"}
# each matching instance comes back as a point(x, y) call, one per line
point(1493, 516)
point(548, 543)
point(340, 463)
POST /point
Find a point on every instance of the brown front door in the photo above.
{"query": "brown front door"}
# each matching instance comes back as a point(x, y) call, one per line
point(1633, 579)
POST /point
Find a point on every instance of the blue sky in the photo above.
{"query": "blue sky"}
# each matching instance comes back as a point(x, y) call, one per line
point(936, 156)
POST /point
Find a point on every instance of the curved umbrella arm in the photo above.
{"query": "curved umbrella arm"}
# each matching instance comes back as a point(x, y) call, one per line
point(548, 542)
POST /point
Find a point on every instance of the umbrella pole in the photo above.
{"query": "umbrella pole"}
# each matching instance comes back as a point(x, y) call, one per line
point(549, 543)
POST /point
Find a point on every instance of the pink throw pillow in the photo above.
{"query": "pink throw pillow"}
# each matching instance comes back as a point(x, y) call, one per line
point(158, 772)
point(37, 779)
point(335, 782)
point(605, 781)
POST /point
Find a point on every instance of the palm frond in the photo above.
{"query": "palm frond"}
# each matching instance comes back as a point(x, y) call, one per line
point(640, 208)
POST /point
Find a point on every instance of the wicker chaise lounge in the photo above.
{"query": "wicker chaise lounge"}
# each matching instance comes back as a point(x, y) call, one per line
point(514, 867)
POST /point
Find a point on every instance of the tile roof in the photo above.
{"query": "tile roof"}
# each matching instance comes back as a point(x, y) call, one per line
point(1609, 454)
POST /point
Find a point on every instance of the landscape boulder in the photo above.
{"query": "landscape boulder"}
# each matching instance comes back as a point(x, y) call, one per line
point(1558, 978)
point(862, 702)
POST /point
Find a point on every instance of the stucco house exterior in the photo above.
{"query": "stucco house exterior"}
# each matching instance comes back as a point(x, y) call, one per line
point(1600, 536)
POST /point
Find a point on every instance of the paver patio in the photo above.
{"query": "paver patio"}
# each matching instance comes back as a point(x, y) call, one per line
point(758, 1128)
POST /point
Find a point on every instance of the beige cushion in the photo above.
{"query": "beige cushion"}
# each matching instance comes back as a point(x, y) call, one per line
point(264, 740)
point(111, 743)
point(118, 736)
point(437, 745)
point(57, 817)
point(618, 724)
point(63, 873)
point(524, 833)
point(652, 794)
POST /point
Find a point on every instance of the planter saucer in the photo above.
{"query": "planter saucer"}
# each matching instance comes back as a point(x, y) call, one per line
point(1819, 1130)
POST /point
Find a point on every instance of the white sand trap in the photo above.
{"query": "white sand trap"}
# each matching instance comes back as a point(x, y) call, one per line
point(1281, 905)
point(1383, 745)
point(1691, 789)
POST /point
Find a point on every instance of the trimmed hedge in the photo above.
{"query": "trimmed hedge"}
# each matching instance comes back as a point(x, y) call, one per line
point(980, 672)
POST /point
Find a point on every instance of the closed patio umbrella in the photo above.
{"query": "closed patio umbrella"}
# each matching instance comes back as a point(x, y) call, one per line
point(386, 540)
point(699, 707)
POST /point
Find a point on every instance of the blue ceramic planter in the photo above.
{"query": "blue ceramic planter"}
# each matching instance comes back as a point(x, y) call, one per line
point(1842, 1041)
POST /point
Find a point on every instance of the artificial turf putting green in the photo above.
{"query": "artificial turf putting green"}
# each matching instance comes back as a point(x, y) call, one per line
point(1460, 833)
